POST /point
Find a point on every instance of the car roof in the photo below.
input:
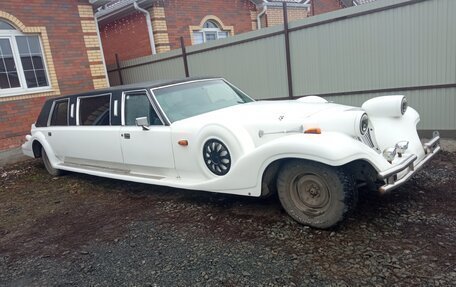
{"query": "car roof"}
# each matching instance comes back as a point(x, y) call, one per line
point(47, 106)
point(142, 85)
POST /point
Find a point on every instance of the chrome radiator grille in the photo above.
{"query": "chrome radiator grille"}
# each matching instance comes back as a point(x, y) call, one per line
point(367, 139)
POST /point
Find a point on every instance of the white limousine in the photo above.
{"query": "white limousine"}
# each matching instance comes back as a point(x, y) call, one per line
point(206, 134)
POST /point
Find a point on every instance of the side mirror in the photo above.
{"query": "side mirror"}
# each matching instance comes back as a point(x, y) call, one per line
point(142, 122)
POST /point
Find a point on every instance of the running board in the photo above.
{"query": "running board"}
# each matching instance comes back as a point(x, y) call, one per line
point(93, 168)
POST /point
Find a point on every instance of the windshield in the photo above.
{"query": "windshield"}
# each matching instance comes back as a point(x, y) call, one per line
point(190, 99)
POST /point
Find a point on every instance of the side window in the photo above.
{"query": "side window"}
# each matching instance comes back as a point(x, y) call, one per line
point(94, 111)
point(60, 114)
point(137, 105)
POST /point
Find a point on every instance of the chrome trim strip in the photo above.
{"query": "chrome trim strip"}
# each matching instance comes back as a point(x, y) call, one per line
point(185, 82)
point(116, 113)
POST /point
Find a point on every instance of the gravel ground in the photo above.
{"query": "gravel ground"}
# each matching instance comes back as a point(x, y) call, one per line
point(79, 230)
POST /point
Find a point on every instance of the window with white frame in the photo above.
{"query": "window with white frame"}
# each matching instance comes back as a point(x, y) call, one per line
point(22, 65)
point(210, 32)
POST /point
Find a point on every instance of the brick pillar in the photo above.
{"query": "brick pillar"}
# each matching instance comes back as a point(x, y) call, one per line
point(253, 19)
point(93, 47)
point(160, 29)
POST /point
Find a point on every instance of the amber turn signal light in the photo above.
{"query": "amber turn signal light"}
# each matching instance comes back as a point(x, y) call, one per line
point(183, 142)
point(313, 131)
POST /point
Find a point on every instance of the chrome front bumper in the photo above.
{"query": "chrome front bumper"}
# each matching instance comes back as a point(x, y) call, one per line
point(431, 148)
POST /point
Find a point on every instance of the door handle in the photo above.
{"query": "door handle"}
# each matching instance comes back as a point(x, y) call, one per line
point(127, 136)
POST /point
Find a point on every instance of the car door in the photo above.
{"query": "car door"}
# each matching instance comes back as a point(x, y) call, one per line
point(92, 141)
point(57, 127)
point(146, 150)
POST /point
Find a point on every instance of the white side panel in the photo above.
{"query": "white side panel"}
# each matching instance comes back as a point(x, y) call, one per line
point(91, 143)
point(147, 151)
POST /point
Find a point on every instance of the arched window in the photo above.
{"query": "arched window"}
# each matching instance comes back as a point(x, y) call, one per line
point(22, 66)
point(210, 31)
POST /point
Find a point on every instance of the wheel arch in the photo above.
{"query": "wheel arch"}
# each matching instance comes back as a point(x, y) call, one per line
point(36, 148)
point(39, 141)
point(361, 169)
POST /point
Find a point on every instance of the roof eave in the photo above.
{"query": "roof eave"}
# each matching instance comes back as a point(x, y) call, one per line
point(118, 9)
point(261, 3)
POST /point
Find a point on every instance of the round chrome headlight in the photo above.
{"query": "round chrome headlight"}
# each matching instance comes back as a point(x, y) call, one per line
point(364, 124)
point(389, 154)
point(393, 106)
point(404, 105)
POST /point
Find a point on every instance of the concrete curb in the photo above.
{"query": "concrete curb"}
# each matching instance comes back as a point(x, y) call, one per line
point(12, 156)
point(448, 145)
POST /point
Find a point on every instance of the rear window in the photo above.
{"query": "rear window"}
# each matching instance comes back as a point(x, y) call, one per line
point(94, 111)
point(60, 113)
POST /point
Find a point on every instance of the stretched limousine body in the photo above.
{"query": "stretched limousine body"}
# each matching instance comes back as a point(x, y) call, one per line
point(206, 134)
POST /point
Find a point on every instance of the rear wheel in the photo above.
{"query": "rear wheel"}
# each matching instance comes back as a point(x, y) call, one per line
point(47, 164)
point(315, 194)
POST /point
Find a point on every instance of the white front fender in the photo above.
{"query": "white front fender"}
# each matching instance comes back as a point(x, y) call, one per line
point(331, 148)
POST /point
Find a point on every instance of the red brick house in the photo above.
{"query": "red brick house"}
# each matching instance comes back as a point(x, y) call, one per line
point(47, 48)
point(52, 48)
point(154, 26)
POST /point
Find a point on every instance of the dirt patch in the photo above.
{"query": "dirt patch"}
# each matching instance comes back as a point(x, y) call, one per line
point(118, 233)
point(41, 215)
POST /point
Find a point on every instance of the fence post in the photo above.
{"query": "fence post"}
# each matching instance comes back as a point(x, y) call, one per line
point(184, 57)
point(287, 49)
point(119, 70)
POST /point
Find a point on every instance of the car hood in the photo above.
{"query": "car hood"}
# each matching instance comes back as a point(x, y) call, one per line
point(272, 118)
point(266, 112)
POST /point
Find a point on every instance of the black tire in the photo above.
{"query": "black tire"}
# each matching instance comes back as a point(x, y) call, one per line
point(315, 194)
point(48, 166)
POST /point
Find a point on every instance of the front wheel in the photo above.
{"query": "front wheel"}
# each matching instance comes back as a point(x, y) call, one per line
point(315, 194)
point(47, 164)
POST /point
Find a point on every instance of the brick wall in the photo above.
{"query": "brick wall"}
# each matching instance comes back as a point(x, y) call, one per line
point(61, 30)
point(15, 120)
point(181, 14)
point(323, 6)
point(128, 37)
point(171, 19)
point(274, 15)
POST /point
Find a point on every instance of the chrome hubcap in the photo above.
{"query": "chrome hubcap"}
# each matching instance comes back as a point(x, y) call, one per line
point(310, 194)
point(217, 157)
